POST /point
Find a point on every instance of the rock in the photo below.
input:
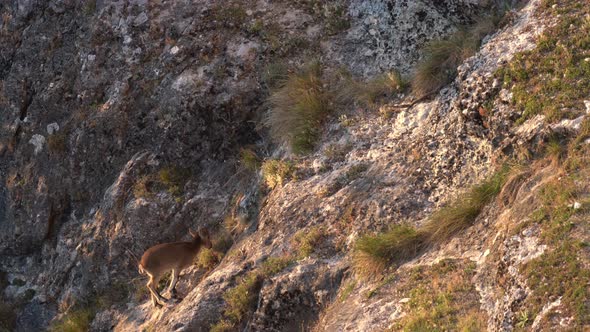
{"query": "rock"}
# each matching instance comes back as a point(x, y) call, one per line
point(37, 141)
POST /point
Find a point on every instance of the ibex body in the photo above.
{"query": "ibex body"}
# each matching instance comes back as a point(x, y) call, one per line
point(175, 256)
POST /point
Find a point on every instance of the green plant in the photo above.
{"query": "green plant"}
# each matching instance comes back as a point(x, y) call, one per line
point(276, 172)
point(249, 159)
point(370, 92)
point(174, 178)
point(298, 108)
point(554, 78)
point(241, 299)
point(274, 74)
point(207, 259)
point(76, 320)
point(374, 252)
point(440, 62)
point(274, 265)
point(347, 290)
point(463, 211)
point(307, 240)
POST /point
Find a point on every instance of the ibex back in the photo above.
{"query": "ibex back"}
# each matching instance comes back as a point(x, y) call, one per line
point(175, 256)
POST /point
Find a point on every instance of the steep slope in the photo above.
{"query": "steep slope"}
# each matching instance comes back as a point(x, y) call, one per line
point(126, 124)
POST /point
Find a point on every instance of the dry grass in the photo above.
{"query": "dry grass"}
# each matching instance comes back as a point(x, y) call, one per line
point(298, 108)
point(369, 93)
point(276, 172)
point(440, 62)
point(373, 253)
point(442, 57)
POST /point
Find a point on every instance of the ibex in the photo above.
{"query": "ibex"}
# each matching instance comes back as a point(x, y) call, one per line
point(175, 256)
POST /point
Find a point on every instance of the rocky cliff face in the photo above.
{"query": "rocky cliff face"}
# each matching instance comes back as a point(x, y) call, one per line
point(122, 125)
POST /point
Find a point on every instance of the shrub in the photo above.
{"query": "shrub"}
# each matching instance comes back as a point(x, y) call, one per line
point(298, 108)
point(462, 212)
point(438, 66)
point(274, 265)
point(275, 172)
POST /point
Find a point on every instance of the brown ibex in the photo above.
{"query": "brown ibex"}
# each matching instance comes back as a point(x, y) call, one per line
point(175, 256)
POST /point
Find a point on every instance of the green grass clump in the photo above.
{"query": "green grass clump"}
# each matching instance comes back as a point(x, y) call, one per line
point(442, 57)
point(554, 78)
point(207, 259)
point(174, 178)
point(274, 265)
point(241, 300)
point(369, 93)
point(307, 240)
point(462, 212)
point(275, 172)
point(74, 321)
point(298, 108)
point(249, 159)
point(375, 252)
point(170, 178)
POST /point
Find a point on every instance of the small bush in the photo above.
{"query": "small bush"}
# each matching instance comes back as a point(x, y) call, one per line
point(240, 300)
point(276, 172)
point(442, 57)
point(274, 74)
point(274, 265)
point(298, 108)
point(174, 178)
point(223, 326)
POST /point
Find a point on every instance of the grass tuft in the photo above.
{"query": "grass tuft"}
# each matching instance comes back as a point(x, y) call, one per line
point(307, 240)
point(276, 172)
point(369, 93)
point(298, 108)
point(373, 253)
point(240, 300)
point(442, 57)
point(74, 321)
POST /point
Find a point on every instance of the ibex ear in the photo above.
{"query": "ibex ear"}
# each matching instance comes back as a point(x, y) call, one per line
point(204, 232)
point(192, 234)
